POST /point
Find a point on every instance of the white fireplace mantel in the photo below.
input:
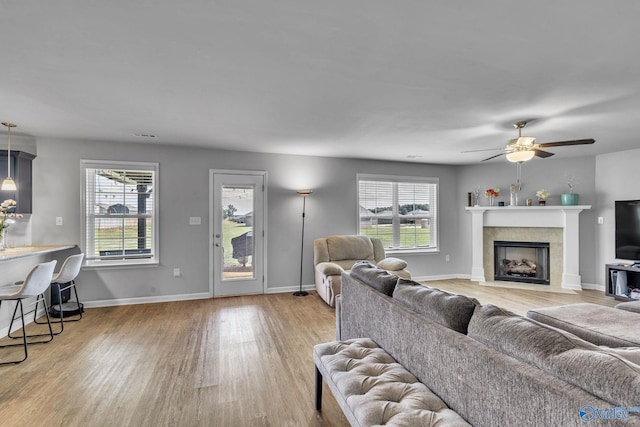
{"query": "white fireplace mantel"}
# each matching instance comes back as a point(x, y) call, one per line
point(565, 217)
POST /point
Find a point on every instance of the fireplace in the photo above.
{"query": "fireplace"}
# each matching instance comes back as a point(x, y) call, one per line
point(526, 262)
point(537, 223)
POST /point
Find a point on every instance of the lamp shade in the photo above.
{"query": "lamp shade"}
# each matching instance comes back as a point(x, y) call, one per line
point(8, 185)
point(521, 156)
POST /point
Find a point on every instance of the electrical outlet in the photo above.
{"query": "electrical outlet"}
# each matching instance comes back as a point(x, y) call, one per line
point(447, 258)
point(59, 220)
point(176, 272)
point(600, 220)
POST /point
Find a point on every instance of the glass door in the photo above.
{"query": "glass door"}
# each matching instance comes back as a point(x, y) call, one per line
point(238, 237)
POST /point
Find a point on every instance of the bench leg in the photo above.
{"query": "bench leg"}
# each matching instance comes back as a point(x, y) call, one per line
point(318, 390)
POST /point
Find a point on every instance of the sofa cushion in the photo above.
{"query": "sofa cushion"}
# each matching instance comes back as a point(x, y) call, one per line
point(632, 306)
point(450, 310)
point(559, 353)
point(632, 354)
point(379, 279)
point(595, 323)
point(350, 248)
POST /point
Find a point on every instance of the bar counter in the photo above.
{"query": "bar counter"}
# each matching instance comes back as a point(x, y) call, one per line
point(27, 251)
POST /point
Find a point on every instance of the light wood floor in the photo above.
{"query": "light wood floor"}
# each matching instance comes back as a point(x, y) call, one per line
point(241, 361)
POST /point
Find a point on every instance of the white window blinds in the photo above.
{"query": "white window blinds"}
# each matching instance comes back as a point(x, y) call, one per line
point(401, 211)
point(120, 225)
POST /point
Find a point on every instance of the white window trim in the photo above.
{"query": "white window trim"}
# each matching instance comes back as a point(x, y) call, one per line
point(126, 165)
point(403, 178)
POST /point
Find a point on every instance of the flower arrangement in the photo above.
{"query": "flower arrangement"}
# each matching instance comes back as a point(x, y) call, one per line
point(6, 214)
point(492, 192)
point(542, 194)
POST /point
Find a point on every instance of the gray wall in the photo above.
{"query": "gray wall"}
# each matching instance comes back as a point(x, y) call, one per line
point(617, 178)
point(331, 209)
point(184, 192)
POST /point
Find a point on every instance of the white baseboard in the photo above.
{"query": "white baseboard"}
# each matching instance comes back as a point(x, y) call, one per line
point(285, 289)
point(180, 297)
point(593, 286)
point(145, 300)
point(441, 277)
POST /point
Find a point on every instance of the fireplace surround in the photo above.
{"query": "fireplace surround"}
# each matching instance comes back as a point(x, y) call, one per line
point(565, 219)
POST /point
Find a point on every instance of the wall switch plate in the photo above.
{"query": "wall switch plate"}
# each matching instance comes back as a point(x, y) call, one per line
point(195, 220)
point(59, 220)
point(447, 258)
point(176, 272)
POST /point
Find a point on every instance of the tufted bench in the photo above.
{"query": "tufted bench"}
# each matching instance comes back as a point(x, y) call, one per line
point(373, 389)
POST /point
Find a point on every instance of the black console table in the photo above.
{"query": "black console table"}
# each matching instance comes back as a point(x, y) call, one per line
point(628, 273)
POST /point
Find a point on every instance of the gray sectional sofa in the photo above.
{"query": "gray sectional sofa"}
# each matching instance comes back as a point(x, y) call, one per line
point(490, 366)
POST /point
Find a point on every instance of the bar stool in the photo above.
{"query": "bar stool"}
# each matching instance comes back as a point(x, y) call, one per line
point(34, 285)
point(64, 280)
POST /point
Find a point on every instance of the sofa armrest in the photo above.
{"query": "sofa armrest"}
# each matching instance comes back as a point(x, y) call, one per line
point(392, 264)
point(329, 268)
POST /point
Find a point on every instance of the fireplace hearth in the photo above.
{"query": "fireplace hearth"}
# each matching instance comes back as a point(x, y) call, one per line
point(526, 262)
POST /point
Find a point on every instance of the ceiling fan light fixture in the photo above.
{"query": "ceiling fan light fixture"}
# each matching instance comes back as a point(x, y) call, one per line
point(526, 141)
point(521, 156)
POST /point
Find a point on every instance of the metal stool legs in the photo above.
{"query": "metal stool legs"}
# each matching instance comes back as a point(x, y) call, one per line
point(24, 335)
point(79, 308)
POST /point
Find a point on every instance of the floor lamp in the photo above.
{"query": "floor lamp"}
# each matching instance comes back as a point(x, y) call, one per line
point(304, 194)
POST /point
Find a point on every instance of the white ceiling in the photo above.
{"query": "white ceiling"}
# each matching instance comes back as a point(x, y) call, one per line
point(361, 79)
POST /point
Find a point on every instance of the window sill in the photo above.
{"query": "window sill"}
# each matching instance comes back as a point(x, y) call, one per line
point(98, 265)
point(393, 252)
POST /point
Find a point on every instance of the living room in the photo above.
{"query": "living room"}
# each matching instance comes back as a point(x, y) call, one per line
point(305, 155)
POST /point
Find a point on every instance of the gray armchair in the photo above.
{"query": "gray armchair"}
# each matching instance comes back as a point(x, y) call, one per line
point(335, 254)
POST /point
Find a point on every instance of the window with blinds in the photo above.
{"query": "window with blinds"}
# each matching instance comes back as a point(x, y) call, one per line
point(400, 211)
point(120, 205)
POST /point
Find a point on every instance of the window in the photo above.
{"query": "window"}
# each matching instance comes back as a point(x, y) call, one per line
point(119, 215)
point(400, 211)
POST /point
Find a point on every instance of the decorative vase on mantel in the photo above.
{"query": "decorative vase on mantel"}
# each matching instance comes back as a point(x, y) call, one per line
point(569, 199)
point(491, 199)
point(3, 233)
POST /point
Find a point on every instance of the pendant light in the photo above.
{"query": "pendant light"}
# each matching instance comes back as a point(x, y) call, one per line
point(8, 184)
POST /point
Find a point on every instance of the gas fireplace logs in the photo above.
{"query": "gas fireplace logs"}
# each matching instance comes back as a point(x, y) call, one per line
point(522, 267)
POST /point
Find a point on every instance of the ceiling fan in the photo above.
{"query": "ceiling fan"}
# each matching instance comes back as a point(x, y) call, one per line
point(524, 148)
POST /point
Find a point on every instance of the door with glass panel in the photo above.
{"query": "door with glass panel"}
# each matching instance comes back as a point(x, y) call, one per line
point(237, 242)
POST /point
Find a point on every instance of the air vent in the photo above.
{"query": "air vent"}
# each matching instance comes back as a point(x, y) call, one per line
point(145, 135)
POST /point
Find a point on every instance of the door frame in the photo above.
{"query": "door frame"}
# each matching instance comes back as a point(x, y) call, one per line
point(212, 173)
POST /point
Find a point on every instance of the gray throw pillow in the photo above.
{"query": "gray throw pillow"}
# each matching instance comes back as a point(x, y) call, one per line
point(450, 310)
point(379, 279)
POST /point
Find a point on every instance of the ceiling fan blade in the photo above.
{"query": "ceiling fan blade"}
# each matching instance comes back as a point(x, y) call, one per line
point(484, 149)
point(572, 142)
point(543, 154)
point(493, 157)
